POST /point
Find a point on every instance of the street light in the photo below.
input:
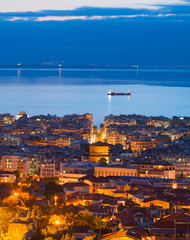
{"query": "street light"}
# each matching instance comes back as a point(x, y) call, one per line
point(57, 222)
point(55, 198)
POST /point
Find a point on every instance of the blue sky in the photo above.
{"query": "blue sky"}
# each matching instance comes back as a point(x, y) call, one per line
point(119, 32)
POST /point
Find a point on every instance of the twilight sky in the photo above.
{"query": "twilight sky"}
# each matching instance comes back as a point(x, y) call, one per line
point(143, 32)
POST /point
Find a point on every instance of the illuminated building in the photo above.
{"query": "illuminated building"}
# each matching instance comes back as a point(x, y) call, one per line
point(45, 141)
point(99, 150)
point(47, 169)
point(114, 137)
point(7, 177)
point(75, 187)
point(22, 114)
point(13, 162)
point(154, 170)
point(141, 144)
point(104, 171)
point(182, 166)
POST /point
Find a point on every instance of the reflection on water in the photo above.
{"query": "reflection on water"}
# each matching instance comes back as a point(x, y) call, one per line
point(109, 98)
point(65, 92)
point(18, 74)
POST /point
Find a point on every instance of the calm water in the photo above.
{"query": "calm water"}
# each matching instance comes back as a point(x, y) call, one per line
point(61, 92)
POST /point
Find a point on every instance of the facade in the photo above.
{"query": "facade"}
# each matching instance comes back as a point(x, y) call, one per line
point(6, 118)
point(23, 166)
point(156, 170)
point(7, 177)
point(69, 177)
point(70, 188)
point(60, 142)
point(141, 144)
point(34, 164)
point(182, 166)
point(9, 162)
point(13, 162)
point(175, 226)
point(21, 114)
point(47, 169)
point(99, 150)
point(104, 171)
point(12, 140)
point(114, 137)
point(99, 185)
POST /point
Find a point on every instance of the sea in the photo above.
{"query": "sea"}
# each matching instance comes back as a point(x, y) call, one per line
point(154, 92)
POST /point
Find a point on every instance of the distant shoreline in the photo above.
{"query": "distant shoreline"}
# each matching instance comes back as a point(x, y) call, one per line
point(89, 67)
point(40, 68)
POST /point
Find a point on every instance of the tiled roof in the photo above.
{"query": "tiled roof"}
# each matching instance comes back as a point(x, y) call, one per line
point(77, 184)
point(126, 219)
point(169, 221)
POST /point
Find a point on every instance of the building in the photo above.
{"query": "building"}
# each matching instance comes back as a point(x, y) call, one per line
point(99, 150)
point(70, 188)
point(22, 114)
point(9, 162)
point(23, 166)
point(114, 137)
point(104, 171)
point(34, 164)
point(47, 169)
point(6, 119)
point(174, 226)
point(156, 170)
point(7, 177)
point(139, 145)
point(46, 141)
point(12, 140)
point(134, 233)
point(12, 163)
point(98, 185)
point(182, 166)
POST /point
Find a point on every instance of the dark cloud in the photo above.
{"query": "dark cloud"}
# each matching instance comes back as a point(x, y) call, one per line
point(141, 40)
point(169, 12)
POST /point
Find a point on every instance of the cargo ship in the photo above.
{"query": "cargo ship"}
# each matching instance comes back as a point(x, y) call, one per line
point(120, 94)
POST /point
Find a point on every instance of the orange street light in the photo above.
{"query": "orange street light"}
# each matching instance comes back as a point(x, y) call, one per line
point(57, 222)
point(55, 198)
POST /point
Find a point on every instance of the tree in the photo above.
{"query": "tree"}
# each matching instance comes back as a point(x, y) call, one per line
point(52, 188)
point(17, 173)
point(98, 225)
point(49, 238)
point(102, 161)
point(6, 214)
point(29, 179)
point(89, 238)
point(68, 237)
point(83, 218)
point(40, 220)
